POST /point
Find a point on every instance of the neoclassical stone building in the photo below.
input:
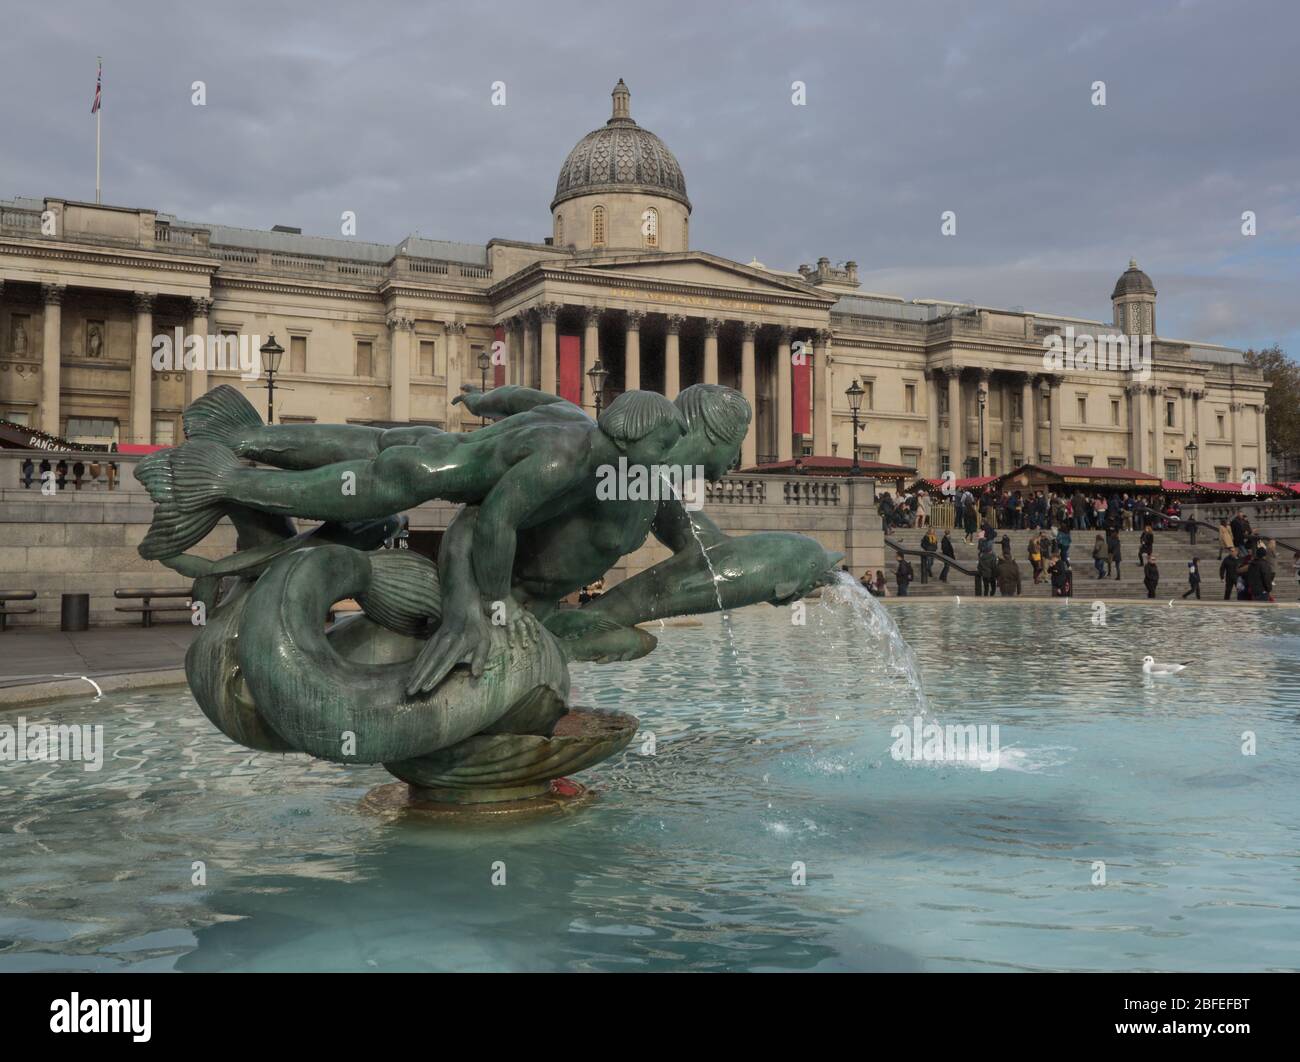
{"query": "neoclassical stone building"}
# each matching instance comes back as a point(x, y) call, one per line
point(376, 333)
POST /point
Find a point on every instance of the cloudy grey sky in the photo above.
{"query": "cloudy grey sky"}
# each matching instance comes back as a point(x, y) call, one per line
point(913, 108)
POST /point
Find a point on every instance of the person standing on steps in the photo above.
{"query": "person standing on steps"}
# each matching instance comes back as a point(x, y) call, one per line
point(1150, 575)
point(1036, 557)
point(903, 575)
point(987, 567)
point(1008, 577)
point(929, 546)
point(1146, 544)
point(1100, 553)
point(1193, 580)
point(945, 547)
point(1225, 539)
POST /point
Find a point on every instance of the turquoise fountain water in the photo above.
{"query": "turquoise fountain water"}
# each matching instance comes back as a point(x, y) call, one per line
point(773, 760)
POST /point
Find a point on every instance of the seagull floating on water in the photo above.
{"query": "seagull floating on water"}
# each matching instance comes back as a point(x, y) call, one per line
point(1150, 666)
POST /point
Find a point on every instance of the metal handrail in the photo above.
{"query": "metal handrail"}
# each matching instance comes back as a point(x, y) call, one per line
point(939, 558)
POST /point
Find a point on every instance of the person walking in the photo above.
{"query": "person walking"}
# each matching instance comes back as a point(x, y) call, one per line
point(1100, 553)
point(970, 521)
point(1228, 573)
point(1146, 544)
point(1063, 541)
point(945, 547)
point(1150, 575)
point(1193, 580)
point(1114, 551)
point(903, 575)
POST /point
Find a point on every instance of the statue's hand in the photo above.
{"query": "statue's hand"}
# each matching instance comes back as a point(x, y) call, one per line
point(469, 399)
point(461, 637)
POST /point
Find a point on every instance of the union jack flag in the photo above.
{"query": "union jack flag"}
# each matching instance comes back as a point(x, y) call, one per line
point(99, 79)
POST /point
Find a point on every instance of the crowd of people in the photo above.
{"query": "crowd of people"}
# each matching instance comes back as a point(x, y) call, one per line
point(1248, 564)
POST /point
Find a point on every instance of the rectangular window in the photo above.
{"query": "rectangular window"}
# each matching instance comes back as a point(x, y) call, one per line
point(869, 397)
point(19, 417)
point(1173, 470)
point(1083, 409)
point(1017, 460)
point(868, 453)
point(428, 358)
point(1115, 462)
point(1114, 412)
point(1222, 434)
point(909, 398)
point(1221, 474)
point(164, 433)
point(298, 354)
point(1169, 414)
point(993, 465)
point(912, 458)
point(91, 429)
point(944, 463)
point(1082, 461)
point(365, 358)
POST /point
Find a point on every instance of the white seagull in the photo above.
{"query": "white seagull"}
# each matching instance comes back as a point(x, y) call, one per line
point(1150, 667)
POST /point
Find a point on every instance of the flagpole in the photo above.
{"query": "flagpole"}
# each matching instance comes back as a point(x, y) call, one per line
point(99, 116)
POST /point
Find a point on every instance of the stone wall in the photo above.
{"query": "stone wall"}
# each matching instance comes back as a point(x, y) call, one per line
point(84, 541)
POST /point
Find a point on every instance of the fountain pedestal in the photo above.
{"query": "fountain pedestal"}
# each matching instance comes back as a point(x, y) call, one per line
point(506, 773)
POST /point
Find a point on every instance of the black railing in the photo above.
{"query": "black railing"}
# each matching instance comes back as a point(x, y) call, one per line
point(939, 558)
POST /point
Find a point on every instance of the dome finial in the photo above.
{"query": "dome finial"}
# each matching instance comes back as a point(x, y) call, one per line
point(622, 103)
point(1132, 263)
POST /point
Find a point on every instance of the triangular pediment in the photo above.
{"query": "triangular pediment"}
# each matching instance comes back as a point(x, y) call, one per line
point(696, 268)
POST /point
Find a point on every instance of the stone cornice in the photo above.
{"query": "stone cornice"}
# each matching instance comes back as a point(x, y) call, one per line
point(114, 257)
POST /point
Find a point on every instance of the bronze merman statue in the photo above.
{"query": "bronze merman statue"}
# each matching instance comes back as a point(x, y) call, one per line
point(384, 685)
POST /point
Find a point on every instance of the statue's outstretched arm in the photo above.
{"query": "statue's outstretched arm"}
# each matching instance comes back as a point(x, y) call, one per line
point(506, 400)
point(679, 529)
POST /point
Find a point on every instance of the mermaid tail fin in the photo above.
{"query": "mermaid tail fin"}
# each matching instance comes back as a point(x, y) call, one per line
point(187, 486)
point(222, 415)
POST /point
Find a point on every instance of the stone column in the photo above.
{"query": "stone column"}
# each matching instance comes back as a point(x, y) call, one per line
point(455, 339)
point(590, 353)
point(749, 448)
point(1264, 471)
point(1135, 397)
point(956, 444)
point(142, 369)
point(1158, 424)
point(1054, 410)
point(1029, 417)
point(632, 351)
point(528, 326)
point(673, 356)
point(1008, 391)
point(784, 397)
point(930, 465)
point(1236, 409)
point(196, 379)
point(982, 417)
point(399, 367)
point(52, 328)
point(515, 348)
point(548, 312)
point(711, 326)
point(821, 395)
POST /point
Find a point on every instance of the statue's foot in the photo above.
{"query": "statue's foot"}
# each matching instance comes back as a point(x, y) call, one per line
point(598, 640)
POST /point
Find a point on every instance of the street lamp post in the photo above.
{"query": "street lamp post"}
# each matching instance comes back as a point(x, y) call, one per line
point(983, 399)
point(484, 360)
point(272, 353)
point(596, 374)
point(855, 393)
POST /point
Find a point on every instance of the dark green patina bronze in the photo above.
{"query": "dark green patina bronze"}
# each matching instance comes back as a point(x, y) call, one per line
point(454, 675)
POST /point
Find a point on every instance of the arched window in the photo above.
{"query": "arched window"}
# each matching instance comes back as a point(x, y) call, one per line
point(559, 230)
point(650, 227)
point(598, 226)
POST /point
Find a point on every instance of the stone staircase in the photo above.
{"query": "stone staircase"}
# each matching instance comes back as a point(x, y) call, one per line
point(1172, 552)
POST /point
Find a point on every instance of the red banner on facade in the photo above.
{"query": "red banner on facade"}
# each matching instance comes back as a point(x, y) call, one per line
point(571, 368)
point(801, 385)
